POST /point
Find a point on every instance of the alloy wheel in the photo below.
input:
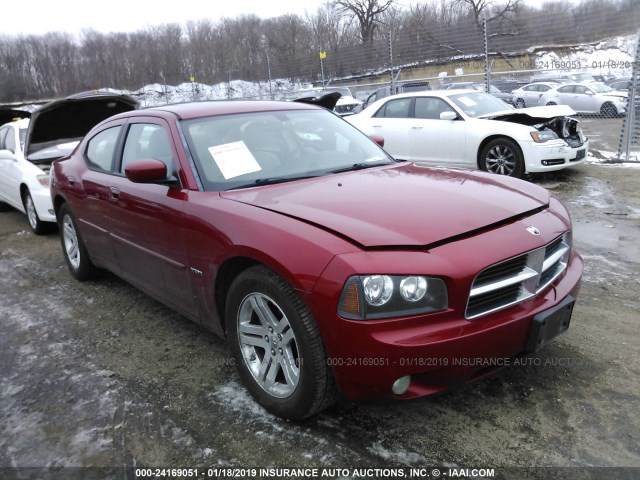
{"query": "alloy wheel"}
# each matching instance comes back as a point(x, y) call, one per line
point(70, 239)
point(501, 159)
point(268, 345)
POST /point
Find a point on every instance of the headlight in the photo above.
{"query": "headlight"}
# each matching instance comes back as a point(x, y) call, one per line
point(377, 289)
point(44, 180)
point(543, 136)
point(371, 297)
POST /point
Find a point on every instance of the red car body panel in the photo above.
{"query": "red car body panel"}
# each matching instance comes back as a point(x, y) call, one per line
point(366, 207)
point(173, 243)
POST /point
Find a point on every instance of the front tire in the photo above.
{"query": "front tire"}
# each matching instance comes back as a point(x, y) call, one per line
point(277, 346)
point(520, 103)
point(609, 110)
point(38, 226)
point(502, 156)
point(73, 249)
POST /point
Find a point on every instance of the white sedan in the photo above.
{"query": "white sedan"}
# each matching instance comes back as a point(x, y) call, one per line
point(596, 98)
point(23, 185)
point(474, 129)
point(531, 95)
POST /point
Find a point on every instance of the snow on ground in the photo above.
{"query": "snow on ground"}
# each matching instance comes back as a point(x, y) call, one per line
point(611, 56)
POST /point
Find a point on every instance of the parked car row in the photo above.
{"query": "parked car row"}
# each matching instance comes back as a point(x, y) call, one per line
point(590, 98)
point(282, 228)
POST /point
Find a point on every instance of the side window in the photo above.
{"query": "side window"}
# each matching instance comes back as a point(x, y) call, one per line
point(395, 108)
point(10, 140)
point(580, 89)
point(147, 140)
point(101, 149)
point(567, 89)
point(431, 108)
point(3, 133)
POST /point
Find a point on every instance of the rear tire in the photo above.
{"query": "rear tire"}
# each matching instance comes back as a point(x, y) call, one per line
point(551, 103)
point(277, 346)
point(73, 249)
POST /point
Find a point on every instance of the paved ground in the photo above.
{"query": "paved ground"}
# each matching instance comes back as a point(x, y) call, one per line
point(98, 374)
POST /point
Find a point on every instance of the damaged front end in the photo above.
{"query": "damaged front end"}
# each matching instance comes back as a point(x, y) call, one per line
point(550, 121)
point(566, 128)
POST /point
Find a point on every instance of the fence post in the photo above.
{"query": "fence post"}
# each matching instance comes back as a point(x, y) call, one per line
point(392, 87)
point(487, 73)
point(628, 123)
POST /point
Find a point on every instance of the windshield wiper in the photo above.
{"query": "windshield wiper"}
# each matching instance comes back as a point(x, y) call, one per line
point(357, 166)
point(271, 181)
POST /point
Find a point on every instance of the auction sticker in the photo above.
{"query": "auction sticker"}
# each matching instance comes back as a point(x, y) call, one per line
point(234, 159)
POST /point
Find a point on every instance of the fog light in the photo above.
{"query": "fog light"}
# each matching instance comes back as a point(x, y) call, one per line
point(401, 385)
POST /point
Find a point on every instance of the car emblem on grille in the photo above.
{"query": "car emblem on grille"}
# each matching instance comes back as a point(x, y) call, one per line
point(533, 230)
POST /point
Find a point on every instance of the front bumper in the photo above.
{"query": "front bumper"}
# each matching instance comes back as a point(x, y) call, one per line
point(42, 201)
point(553, 155)
point(443, 349)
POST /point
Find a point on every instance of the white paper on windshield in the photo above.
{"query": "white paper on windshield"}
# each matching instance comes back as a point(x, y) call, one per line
point(467, 101)
point(234, 159)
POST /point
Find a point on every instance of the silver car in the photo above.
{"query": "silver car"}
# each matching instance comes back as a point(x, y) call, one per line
point(596, 98)
point(531, 95)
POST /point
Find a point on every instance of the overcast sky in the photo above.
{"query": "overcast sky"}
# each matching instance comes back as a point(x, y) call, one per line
point(42, 16)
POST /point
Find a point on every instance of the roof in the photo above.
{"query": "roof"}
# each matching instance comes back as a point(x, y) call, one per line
point(190, 110)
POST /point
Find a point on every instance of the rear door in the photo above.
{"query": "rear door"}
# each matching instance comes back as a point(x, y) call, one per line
point(393, 121)
point(93, 210)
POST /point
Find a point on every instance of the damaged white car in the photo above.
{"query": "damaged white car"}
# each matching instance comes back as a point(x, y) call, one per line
point(474, 129)
point(30, 142)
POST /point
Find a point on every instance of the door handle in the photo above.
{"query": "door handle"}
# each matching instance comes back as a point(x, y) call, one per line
point(114, 193)
point(416, 126)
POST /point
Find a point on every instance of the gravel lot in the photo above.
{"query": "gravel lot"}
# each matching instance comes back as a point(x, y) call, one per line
point(98, 374)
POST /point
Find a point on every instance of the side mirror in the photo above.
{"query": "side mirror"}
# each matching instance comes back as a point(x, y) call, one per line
point(148, 171)
point(378, 139)
point(448, 115)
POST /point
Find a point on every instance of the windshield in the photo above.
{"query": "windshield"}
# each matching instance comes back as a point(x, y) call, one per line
point(476, 104)
point(248, 149)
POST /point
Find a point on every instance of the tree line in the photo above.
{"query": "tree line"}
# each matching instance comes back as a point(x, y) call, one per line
point(354, 33)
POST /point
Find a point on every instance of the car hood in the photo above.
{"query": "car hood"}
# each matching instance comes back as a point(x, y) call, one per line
point(328, 101)
point(404, 205)
point(9, 114)
point(545, 112)
point(616, 94)
point(65, 121)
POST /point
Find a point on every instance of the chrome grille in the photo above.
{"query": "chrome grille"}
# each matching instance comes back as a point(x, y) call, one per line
point(517, 279)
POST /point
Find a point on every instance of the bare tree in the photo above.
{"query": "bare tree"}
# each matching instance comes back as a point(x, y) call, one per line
point(367, 13)
point(489, 9)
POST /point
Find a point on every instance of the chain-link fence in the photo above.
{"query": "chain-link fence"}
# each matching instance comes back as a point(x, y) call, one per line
point(596, 77)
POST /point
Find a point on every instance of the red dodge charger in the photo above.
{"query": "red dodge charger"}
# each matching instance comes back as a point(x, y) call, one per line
point(330, 267)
